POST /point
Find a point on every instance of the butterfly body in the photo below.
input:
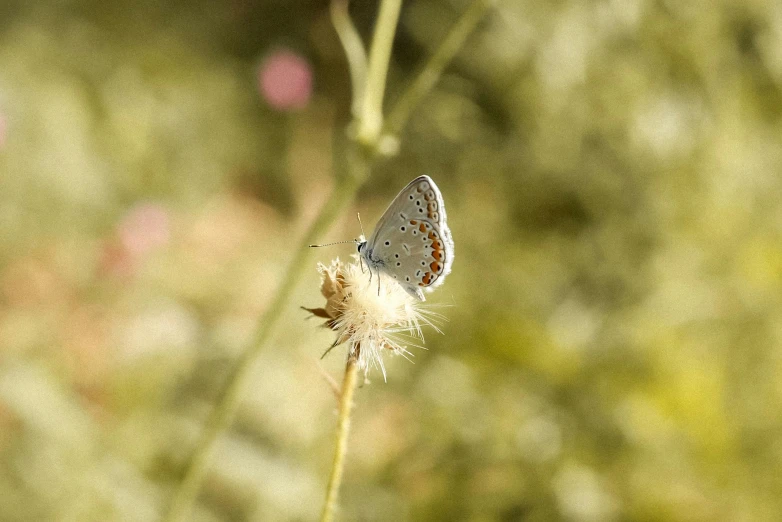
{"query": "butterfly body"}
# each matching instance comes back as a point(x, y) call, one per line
point(412, 242)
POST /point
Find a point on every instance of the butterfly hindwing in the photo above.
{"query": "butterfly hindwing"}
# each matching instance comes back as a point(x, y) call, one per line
point(412, 242)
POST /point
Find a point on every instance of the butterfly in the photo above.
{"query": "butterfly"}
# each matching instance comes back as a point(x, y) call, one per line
point(411, 242)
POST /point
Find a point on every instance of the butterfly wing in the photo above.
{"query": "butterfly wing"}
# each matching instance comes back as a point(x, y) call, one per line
point(412, 242)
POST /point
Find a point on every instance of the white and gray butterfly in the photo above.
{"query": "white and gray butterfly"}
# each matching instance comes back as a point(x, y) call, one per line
point(412, 242)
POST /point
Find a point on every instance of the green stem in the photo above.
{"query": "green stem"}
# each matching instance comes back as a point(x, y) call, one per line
point(371, 119)
point(343, 428)
point(357, 163)
point(221, 417)
point(434, 68)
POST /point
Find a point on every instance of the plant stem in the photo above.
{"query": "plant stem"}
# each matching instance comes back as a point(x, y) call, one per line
point(356, 162)
point(434, 68)
point(223, 413)
point(370, 121)
point(343, 428)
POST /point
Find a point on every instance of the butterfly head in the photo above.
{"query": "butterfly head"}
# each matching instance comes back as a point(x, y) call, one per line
point(361, 243)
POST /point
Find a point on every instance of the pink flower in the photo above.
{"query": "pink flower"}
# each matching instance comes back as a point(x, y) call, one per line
point(285, 80)
point(144, 228)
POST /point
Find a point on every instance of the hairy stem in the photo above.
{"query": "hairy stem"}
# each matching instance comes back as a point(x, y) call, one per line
point(341, 448)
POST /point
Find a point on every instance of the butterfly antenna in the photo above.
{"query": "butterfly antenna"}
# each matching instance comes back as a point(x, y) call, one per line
point(334, 243)
point(361, 226)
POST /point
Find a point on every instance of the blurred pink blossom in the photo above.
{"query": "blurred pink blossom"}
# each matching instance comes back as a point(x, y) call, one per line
point(285, 80)
point(143, 229)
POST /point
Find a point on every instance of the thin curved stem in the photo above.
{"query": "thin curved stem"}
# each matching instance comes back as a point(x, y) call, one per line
point(221, 417)
point(434, 68)
point(341, 448)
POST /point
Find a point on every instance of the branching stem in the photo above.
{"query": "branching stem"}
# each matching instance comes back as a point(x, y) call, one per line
point(352, 167)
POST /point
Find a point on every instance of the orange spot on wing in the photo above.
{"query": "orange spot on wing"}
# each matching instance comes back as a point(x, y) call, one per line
point(422, 228)
point(435, 266)
point(438, 255)
point(413, 222)
point(427, 279)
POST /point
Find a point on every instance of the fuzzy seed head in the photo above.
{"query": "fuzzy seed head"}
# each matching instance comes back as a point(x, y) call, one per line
point(372, 319)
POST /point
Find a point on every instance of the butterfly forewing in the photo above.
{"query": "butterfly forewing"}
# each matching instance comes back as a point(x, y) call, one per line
point(412, 242)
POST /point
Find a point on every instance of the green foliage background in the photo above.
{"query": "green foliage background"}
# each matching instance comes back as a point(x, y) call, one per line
point(612, 176)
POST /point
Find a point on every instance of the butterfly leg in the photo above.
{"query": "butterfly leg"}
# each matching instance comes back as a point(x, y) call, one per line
point(378, 283)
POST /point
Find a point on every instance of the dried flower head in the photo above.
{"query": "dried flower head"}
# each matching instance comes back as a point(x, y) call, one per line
point(372, 318)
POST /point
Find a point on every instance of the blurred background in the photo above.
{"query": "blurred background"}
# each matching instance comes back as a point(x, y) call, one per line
point(611, 172)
